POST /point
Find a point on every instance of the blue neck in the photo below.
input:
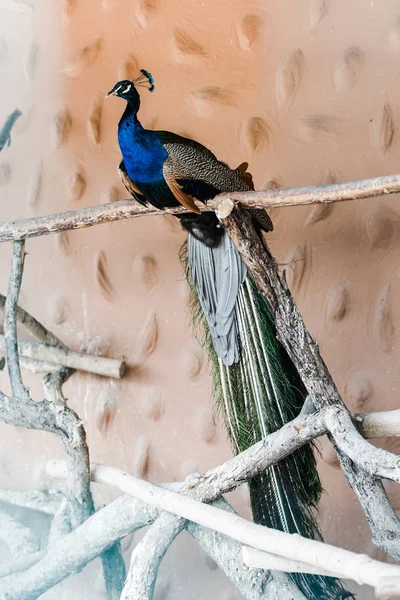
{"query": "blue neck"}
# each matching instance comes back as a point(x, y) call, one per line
point(142, 150)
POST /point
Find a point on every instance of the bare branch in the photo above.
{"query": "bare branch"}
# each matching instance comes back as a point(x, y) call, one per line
point(305, 355)
point(46, 501)
point(33, 326)
point(19, 538)
point(375, 461)
point(72, 552)
point(148, 555)
point(379, 424)
point(10, 320)
point(381, 516)
point(263, 560)
point(126, 514)
point(253, 584)
point(348, 565)
point(128, 209)
point(54, 381)
point(60, 524)
point(108, 367)
point(47, 417)
point(314, 373)
point(22, 563)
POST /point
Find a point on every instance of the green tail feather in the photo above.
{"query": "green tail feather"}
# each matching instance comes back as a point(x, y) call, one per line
point(256, 397)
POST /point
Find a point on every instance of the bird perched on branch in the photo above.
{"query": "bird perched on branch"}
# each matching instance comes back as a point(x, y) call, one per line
point(256, 385)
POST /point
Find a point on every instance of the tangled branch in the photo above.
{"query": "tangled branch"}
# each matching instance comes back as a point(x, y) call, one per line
point(170, 509)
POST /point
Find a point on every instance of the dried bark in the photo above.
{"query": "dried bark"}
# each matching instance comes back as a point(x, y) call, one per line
point(127, 209)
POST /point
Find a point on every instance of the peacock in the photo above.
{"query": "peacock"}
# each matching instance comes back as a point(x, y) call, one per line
point(256, 386)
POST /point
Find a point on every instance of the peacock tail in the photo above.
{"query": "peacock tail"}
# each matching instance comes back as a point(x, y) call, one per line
point(257, 394)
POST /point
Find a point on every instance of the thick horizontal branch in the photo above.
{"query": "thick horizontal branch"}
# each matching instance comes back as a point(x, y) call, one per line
point(72, 552)
point(379, 424)
point(128, 209)
point(108, 367)
point(348, 565)
point(272, 562)
point(126, 514)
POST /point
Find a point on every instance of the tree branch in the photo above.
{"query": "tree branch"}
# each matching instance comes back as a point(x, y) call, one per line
point(99, 365)
point(72, 552)
point(252, 583)
point(69, 554)
point(46, 501)
point(314, 373)
point(55, 379)
point(19, 538)
point(10, 321)
point(57, 419)
point(346, 564)
point(305, 355)
point(148, 555)
point(128, 209)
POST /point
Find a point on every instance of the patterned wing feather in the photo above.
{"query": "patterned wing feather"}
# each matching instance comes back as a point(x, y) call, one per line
point(194, 161)
point(172, 170)
point(129, 185)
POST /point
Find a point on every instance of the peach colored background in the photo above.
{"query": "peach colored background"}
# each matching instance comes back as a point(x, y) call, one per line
point(307, 92)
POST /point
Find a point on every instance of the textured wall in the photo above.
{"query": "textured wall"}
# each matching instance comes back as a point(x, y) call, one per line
point(306, 92)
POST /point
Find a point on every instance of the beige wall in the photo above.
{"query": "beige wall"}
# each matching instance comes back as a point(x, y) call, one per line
point(305, 91)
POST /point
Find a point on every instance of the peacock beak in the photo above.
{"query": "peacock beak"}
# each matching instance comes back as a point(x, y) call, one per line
point(115, 90)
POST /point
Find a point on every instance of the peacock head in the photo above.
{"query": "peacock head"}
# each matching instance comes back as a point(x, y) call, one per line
point(127, 89)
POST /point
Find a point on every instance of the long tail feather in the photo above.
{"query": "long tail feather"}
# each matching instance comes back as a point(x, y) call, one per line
point(257, 393)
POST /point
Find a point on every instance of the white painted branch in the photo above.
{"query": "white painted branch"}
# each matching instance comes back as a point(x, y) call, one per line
point(108, 367)
point(22, 563)
point(379, 424)
point(37, 366)
point(148, 555)
point(73, 551)
point(19, 538)
point(257, 559)
point(43, 501)
point(376, 461)
point(360, 568)
point(61, 524)
point(252, 583)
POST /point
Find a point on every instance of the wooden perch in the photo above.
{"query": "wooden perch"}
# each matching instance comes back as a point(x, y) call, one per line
point(128, 209)
point(348, 565)
point(108, 367)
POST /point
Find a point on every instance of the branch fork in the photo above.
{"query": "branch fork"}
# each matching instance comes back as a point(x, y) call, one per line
point(363, 464)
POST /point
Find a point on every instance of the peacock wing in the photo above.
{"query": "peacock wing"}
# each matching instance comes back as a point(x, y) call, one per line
point(129, 185)
point(196, 162)
point(173, 169)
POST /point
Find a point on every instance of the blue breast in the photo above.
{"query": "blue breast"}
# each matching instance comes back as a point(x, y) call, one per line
point(142, 151)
